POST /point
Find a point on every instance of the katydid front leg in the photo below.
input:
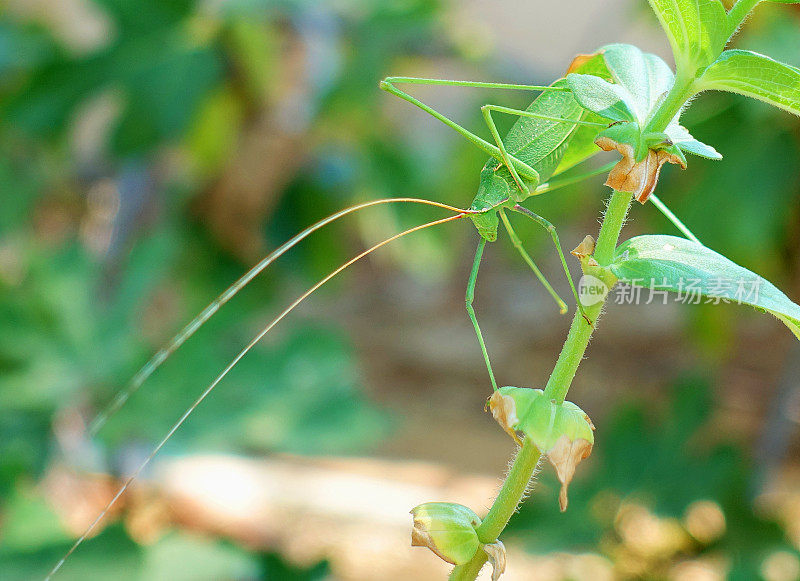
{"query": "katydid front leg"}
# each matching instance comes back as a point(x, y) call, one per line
point(487, 116)
point(562, 181)
point(469, 299)
point(554, 235)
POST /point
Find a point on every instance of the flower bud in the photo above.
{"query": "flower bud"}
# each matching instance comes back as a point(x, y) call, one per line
point(560, 431)
point(447, 529)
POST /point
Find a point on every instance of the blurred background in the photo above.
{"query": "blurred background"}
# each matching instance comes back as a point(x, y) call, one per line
point(153, 150)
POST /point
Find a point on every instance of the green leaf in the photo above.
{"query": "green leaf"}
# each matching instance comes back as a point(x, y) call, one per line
point(640, 81)
point(697, 30)
point(754, 75)
point(682, 266)
point(646, 77)
point(634, 85)
point(608, 100)
point(681, 137)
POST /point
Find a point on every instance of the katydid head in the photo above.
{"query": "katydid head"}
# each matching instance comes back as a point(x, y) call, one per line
point(487, 224)
point(494, 192)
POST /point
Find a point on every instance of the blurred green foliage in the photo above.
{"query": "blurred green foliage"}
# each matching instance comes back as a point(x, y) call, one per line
point(105, 250)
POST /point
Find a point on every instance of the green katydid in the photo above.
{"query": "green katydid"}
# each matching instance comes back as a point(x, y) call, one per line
point(529, 154)
point(521, 165)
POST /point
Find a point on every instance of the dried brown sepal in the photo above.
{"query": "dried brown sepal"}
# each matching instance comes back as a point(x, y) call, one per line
point(421, 538)
point(504, 411)
point(638, 177)
point(565, 456)
point(584, 252)
point(585, 248)
point(497, 557)
point(579, 61)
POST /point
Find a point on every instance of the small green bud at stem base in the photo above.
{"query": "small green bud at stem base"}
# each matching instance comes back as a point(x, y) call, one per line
point(447, 529)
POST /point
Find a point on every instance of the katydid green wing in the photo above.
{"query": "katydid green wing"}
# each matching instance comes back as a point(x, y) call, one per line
point(581, 144)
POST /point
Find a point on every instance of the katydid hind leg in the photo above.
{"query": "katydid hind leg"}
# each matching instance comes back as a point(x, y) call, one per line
point(522, 168)
point(469, 299)
point(517, 242)
point(487, 116)
point(554, 235)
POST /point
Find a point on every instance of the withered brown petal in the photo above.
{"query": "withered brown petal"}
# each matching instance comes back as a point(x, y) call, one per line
point(639, 178)
point(565, 456)
point(504, 410)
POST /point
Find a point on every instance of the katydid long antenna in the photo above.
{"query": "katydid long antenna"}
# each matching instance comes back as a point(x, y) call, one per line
point(164, 353)
point(230, 366)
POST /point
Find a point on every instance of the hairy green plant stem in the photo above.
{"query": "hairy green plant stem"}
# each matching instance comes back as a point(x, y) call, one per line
point(578, 337)
point(571, 355)
point(504, 506)
point(674, 101)
point(579, 332)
